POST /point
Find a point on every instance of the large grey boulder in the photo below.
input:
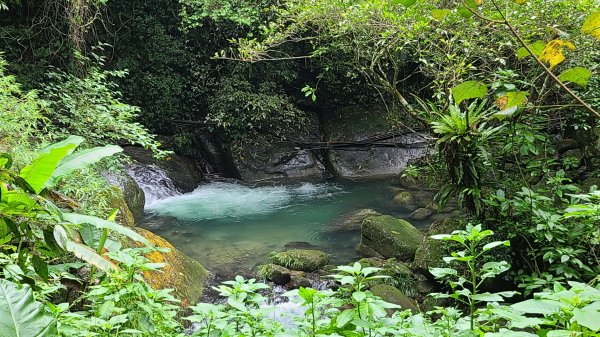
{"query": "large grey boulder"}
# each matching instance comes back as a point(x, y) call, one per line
point(390, 237)
point(361, 123)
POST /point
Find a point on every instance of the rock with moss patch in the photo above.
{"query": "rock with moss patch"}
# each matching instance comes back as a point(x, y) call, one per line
point(116, 200)
point(277, 274)
point(430, 252)
point(308, 260)
point(404, 199)
point(132, 192)
point(390, 237)
point(422, 213)
point(181, 273)
point(391, 294)
point(351, 221)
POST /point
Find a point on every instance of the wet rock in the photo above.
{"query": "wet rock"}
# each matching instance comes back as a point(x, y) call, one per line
point(274, 273)
point(391, 294)
point(132, 192)
point(404, 199)
point(430, 252)
point(390, 237)
point(300, 245)
point(367, 251)
point(308, 260)
point(264, 159)
point(116, 200)
point(351, 221)
point(355, 124)
point(181, 273)
point(298, 279)
point(421, 213)
point(186, 173)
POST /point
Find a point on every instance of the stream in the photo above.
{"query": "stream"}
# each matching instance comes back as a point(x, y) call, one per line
point(231, 227)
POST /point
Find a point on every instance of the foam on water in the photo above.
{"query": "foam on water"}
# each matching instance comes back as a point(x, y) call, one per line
point(220, 200)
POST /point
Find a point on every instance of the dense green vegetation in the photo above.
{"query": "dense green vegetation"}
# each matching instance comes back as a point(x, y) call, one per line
point(503, 89)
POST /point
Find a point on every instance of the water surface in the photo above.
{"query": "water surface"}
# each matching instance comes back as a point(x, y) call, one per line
point(231, 227)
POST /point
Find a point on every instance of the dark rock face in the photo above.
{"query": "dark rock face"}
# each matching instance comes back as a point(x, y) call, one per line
point(132, 193)
point(390, 237)
point(263, 159)
point(275, 273)
point(184, 172)
point(353, 124)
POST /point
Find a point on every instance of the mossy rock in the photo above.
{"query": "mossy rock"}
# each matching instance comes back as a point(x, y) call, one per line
point(132, 192)
point(430, 252)
point(422, 213)
point(391, 294)
point(181, 273)
point(277, 274)
point(391, 237)
point(351, 221)
point(400, 274)
point(404, 199)
point(308, 260)
point(116, 200)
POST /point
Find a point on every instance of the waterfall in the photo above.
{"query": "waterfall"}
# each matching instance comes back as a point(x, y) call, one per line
point(154, 181)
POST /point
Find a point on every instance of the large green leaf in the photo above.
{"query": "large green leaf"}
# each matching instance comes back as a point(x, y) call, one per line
point(78, 219)
point(468, 90)
point(39, 172)
point(74, 140)
point(577, 75)
point(21, 315)
point(82, 251)
point(80, 160)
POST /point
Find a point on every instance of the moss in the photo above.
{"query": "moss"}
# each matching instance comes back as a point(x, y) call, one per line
point(274, 273)
point(116, 199)
point(181, 273)
point(308, 260)
point(391, 237)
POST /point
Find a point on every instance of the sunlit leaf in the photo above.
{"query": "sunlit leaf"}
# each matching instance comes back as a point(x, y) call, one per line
point(577, 75)
point(553, 53)
point(512, 99)
point(591, 25)
point(440, 14)
point(468, 90)
point(406, 3)
point(536, 48)
point(39, 172)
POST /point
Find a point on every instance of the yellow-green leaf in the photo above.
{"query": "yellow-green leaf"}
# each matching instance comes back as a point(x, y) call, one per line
point(553, 53)
point(512, 99)
point(577, 75)
point(406, 3)
point(464, 12)
point(591, 25)
point(536, 48)
point(468, 90)
point(39, 172)
point(521, 2)
point(440, 14)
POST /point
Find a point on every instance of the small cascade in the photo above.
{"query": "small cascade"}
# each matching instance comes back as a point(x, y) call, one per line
point(154, 181)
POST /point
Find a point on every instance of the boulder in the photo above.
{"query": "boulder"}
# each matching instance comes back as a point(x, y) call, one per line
point(116, 200)
point(404, 199)
point(275, 273)
point(185, 173)
point(351, 221)
point(264, 159)
point(308, 260)
point(430, 252)
point(181, 273)
point(298, 279)
point(391, 294)
point(132, 192)
point(358, 123)
point(399, 272)
point(422, 213)
point(390, 237)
